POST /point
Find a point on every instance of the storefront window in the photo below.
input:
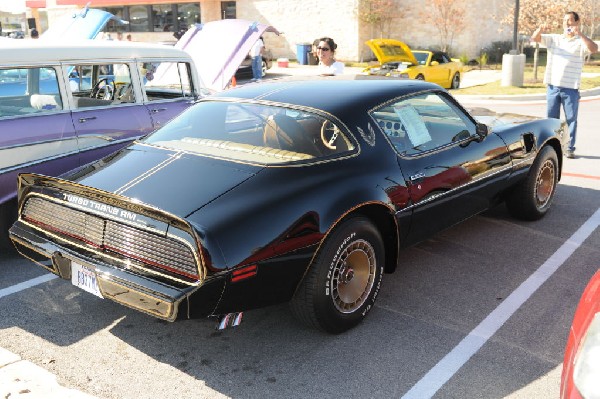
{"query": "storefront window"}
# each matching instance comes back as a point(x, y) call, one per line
point(138, 18)
point(228, 9)
point(188, 15)
point(158, 17)
point(162, 18)
point(113, 26)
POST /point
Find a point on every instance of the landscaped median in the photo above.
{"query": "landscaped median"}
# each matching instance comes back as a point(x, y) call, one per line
point(590, 80)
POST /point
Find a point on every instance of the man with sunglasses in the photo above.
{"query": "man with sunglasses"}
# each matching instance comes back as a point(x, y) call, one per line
point(328, 66)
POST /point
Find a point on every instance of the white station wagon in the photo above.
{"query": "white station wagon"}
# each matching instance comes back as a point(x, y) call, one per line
point(62, 106)
point(65, 105)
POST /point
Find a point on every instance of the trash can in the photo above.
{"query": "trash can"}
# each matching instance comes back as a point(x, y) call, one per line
point(302, 50)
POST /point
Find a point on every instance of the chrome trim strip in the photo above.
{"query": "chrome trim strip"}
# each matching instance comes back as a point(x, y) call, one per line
point(61, 156)
point(34, 114)
point(36, 162)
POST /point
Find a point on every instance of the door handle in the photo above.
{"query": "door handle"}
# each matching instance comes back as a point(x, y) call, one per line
point(157, 110)
point(83, 120)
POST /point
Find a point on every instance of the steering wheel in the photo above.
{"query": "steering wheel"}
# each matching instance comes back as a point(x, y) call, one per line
point(105, 92)
point(329, 134)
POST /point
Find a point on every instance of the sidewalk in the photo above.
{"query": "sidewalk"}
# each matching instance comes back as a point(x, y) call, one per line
point(22, 379)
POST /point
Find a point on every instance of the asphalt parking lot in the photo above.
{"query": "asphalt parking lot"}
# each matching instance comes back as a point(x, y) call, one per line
point(480, 310)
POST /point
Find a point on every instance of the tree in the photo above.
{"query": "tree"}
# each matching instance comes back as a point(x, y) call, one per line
point(589, 12)
point(448, 16)
point(532, 15)
point(378, 14)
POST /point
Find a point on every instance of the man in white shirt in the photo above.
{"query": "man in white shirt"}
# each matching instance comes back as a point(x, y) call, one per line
point(566, 53)
point(256, 55)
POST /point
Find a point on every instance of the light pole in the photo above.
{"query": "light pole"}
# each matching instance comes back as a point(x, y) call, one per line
point(516, 29)
point(513, 64)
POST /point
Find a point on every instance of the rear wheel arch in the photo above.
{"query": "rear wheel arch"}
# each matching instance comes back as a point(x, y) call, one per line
point(343, 280)
point(385, 222)
point(555, 143)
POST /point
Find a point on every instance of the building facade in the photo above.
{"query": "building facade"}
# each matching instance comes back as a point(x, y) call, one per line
point(300, 21)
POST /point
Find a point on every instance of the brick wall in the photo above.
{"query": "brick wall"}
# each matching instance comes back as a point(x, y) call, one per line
point(302, 21)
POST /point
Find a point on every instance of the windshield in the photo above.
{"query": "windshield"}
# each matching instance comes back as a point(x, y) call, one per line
point(251, 132)
point(421, 56)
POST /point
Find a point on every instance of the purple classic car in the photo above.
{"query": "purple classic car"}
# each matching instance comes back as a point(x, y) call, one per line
point(65, 105)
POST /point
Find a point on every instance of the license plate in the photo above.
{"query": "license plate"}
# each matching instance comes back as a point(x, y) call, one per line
point(85, 278)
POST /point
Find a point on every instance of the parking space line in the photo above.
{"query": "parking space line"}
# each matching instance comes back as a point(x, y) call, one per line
point(431, 382)
point(582, 176)
point(27, 284)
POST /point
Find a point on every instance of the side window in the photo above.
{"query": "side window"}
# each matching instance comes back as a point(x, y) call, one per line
point(166, 80)
point(101, 85)
point(423, 123)
point(28, 91)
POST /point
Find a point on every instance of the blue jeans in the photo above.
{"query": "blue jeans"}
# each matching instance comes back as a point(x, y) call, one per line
point(257, 67)
point(569, 98)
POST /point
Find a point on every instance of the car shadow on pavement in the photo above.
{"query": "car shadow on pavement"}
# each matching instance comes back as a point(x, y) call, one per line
point(442, 289)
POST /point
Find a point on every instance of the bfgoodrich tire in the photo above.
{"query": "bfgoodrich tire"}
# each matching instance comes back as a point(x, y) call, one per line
point(342, 285)
point(531, 198)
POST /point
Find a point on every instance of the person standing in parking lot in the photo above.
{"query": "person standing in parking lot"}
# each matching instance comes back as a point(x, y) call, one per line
point(256, 55)
point(566, 53)
point(328, 66)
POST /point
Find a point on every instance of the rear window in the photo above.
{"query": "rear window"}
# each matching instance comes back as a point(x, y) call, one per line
point(255, 133)
point(26, 91)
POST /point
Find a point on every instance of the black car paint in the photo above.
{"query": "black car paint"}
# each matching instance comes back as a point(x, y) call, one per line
point(277, 217)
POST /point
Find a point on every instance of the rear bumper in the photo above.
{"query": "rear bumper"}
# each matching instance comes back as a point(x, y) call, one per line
point(120, 285)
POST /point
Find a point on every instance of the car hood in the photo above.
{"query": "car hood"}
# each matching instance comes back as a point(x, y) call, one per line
point(172, 181)
point(84, 24)
point(390, 50)
point(219, 47)
point(495, 119)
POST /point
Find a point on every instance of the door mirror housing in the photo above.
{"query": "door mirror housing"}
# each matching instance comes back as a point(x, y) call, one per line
point(482, 130)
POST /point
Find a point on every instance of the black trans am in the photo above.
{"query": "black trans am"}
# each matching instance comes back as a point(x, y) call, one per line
point(288, 191)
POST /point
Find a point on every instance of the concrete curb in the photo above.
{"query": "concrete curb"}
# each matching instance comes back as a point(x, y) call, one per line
point(23, 379)
point(473, 77)
point(525, 97)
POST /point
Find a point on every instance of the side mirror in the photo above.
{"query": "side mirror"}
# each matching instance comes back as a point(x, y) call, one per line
point(482, 130)
point(434, 63)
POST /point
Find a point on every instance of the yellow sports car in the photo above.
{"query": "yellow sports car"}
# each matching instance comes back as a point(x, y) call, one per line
point(396, 59)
